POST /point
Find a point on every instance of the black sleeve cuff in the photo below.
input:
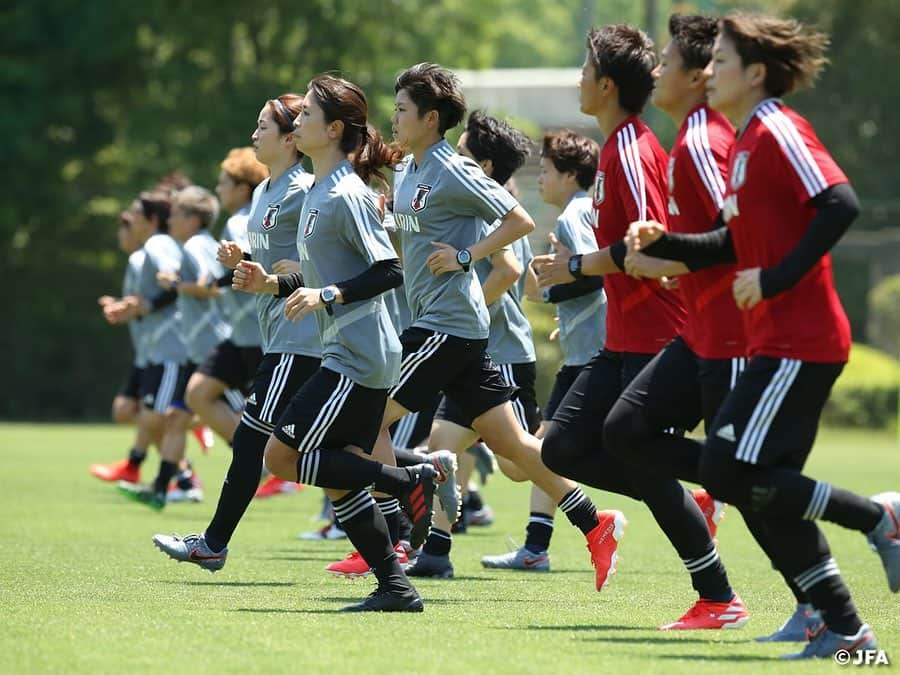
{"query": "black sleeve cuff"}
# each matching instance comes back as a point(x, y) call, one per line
point(617, 252)
point(162, 300)
point(226, 279)
point(574, 289)
point(382, 276)
point(288, 283)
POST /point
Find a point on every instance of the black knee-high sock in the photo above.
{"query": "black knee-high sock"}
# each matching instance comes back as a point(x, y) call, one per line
point(539, 531)
point(367, 531)
point(136, 457)
point(390, 509)
point(239, 487)
point(341, 470)
point(682, 521)
point(756, 524)
point(579, 509)
point(167, 471)
point(439, 542)
point(406, 457)
point(802, 551)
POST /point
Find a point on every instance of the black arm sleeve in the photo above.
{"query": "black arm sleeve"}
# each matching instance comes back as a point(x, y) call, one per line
point(617, 252)
point(574, 289)
point(697, 251)
point(225, 279)
point(288, 283)
point(382, 276)
point(837, 207)
point(247, 256)
point(164, 299)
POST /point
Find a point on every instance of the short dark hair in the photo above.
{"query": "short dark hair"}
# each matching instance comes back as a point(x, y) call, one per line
point(571, 153)
point(493, 139)
point(694, 35)
point(157, 203)
point(793, 53)
point(432, 87)
point(625, 55)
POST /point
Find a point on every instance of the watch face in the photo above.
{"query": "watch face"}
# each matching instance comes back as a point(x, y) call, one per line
point(464, 257)
point(327, 295)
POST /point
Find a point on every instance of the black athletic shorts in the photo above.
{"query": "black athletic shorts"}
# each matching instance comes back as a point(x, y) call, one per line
point(565, 377)
point(131, 388)
point(584, 408)
point(772, 415)
point(413, 429)
point(277, 379)
point(459, 368)
point(163, 385)
point(522, 376)
point(678, 389)
point(233, 365)
point(332, 411)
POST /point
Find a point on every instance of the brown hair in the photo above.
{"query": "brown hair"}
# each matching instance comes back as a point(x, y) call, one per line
point(157, 203)
point(793, 53)
point(199, 202)
point(284, 110)
point(343, 101)
point(571, 153)
point(243, 167)
point(432, 87)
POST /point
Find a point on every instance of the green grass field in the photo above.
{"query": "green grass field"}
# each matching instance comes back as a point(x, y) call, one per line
point(83, 590)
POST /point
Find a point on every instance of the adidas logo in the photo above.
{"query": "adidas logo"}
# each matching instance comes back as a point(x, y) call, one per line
point(252, 398)
point(727, 432)
point(289, 430)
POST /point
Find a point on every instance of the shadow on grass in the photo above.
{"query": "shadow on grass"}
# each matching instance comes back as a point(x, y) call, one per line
point(713, 657)
point(236, 584)
point(582, 627)
point(279, 610)
point(299, 558)
point(664, 640)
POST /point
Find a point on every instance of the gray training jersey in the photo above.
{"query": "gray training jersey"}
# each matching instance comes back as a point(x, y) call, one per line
point(163, 338)
point(510, 339)
point(130, 287)
point(582, 321)
point(239, 309)
point(445, 199)
point(340, 237)
point(202, 323)
point(272, 230)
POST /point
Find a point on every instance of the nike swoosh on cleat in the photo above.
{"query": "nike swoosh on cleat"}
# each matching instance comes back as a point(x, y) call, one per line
point(533, 561)
point(198, 557)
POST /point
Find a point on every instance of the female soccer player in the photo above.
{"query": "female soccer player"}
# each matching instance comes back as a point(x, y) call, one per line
point(786, 204)
point(440, 200)
point(347, 263)
point(292, 350)
point(231, 365)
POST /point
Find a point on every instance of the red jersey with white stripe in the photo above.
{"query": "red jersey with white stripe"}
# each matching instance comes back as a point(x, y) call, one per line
point(630, 185)
point(777, 166)
point(698, 163)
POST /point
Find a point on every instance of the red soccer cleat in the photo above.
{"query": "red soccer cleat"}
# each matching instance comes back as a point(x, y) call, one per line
point(603, 542)
point(353, 566)
point(121, 470)
point(204, 436)
point(708, 615)
point(713, 510)
point(275, 486)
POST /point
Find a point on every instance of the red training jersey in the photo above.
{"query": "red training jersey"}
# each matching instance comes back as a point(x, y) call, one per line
point(777, 166)
point(630, 184)
point(698, 163)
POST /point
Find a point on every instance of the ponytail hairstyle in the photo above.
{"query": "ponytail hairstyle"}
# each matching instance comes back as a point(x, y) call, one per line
point(284, 110)
point(343, 101)
point(793, 53)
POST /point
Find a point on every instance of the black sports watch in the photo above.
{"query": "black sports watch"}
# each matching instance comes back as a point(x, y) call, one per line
point(575, 266)
point(328, 295)
point(464, 259)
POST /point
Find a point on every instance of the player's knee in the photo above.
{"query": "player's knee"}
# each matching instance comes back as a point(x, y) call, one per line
point(719, 474)
point(620, 430)
point(124, 410)
point(280, 460)
point(511, 471)
point(559, 449)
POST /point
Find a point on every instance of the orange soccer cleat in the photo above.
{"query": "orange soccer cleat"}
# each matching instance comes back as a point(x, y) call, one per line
point(121, 470)
point(709, 615)
point(603, 543)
